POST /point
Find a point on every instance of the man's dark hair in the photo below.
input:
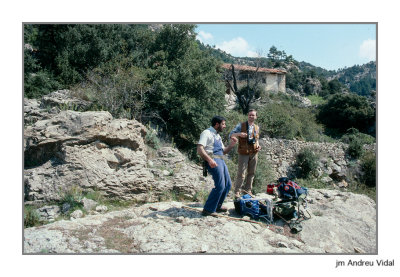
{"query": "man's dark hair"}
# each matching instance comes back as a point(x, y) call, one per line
point(252, 110)
point(217, 119)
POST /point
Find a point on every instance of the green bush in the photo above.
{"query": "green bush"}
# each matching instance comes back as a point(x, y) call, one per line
point(284, 120)
point(368, 166)
point(72, 196)
point(31, 217)
point(344, 111)
point(316, 100)
point(116, 87)
point(356, 140)
point(355, 149)
point(40, 83)
point(152, 139)
point(307, 161)
point(353, 133)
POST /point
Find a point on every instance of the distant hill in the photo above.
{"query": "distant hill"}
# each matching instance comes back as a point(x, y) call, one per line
point(358, 79)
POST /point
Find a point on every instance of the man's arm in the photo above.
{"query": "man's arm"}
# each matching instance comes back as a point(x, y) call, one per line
point(203, 154)
point(236, 132)
point(234, 140)
point(258, 148)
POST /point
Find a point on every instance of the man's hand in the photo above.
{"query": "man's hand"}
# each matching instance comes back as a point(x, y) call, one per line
point(234, 140)
point(212, 163)
point(241, 135)
point(203, 154)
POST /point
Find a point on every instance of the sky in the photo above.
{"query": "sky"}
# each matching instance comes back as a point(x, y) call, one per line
point(330, 46)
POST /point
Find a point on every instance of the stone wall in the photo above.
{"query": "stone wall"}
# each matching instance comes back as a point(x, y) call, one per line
point(333, 164)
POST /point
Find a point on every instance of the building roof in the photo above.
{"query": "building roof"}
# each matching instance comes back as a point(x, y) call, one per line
point(252, 68)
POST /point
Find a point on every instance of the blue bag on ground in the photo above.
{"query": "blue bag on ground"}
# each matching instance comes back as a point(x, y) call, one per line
point(253, 208)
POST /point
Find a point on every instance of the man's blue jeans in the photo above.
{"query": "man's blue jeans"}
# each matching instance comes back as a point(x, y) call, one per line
point(222, 183)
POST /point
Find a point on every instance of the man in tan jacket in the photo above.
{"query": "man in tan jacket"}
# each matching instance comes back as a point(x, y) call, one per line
point(248, 133)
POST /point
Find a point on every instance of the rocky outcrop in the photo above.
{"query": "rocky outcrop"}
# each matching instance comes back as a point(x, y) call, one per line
point(95, 152)
point(313, 86)
point(301, 101)
point(340, 222)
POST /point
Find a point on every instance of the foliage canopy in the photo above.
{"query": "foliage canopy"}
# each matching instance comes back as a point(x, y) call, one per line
point(345, 111)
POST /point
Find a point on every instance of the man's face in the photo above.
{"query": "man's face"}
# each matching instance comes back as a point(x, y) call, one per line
point(252, 116)
point(220, 126)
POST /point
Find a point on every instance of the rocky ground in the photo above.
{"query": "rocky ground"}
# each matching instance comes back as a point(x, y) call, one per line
point(340, 223)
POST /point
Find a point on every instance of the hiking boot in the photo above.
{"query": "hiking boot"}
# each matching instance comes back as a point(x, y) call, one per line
point(222, 209)
point(207, 213)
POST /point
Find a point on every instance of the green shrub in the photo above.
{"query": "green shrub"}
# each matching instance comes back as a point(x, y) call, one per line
point(201, 196)
point(72, 196)
point(353, 133)
point(285, 120)
point(38, 84)
point(355, 149)
point(31, 217)
point(152, 139)
point(307, 161)
point(316, 100)
point(116, 87)
point(368, 166)
point(344, 111)
point(275, 120)
point(95, 195)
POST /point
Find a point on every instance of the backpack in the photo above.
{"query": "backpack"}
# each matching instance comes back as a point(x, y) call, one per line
point(289, 190)
point(247, 206)
point(287, 210)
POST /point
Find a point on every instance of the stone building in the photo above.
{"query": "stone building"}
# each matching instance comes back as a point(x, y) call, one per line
point(273, 80)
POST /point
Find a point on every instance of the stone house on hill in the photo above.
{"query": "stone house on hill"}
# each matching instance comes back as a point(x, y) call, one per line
point(273, 80)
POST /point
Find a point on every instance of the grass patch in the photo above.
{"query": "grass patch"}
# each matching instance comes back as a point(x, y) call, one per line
point(363, 189)
point(354, 187)
point(312, 183)
point(31, 217)
point(201, 196)
point(172, 195)
point(116, 239)
point(316, 100)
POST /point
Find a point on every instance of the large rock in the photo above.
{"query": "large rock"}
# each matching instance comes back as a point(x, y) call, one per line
point(95, 152)
point(340, 222)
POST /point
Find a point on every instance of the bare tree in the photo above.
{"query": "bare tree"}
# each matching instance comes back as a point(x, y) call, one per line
point(245, 94)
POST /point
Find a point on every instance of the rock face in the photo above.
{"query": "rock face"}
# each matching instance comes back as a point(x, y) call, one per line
point(340, 222)
point(95, 152)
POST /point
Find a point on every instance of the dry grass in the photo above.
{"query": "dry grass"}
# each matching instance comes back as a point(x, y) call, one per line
point(111, 232)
